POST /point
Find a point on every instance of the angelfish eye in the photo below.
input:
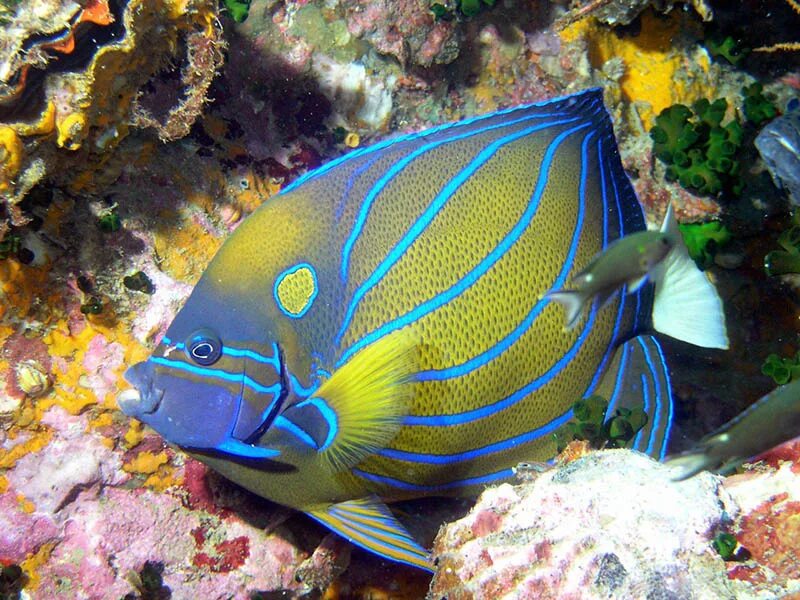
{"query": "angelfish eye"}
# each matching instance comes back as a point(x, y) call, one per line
point(204, 347)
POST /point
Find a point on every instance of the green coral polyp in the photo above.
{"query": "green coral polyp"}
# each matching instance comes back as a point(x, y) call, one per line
point(758, 107)
point(782, 370)
point(726, 48)
point(238, 9)
point(593, 424)
point(703, 239)
point(786, 261)
point(699, 151)
point(725, 544)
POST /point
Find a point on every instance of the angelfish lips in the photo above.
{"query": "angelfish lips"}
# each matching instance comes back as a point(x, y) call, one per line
point(143, 398)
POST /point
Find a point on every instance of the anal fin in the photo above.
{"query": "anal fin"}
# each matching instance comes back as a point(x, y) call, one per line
point(368, 523)
point(638, 377)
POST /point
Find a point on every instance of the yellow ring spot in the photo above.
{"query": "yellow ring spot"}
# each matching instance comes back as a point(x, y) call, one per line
point(295, 290)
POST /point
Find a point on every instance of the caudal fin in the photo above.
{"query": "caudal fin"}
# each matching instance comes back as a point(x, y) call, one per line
point(573, 302)
point(686, 306)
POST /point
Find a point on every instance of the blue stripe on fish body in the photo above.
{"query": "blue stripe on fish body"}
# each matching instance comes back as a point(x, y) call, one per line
point(433, 209)
point(447, 459)
point(449, 239)
point(451, 185)
point(474, 274)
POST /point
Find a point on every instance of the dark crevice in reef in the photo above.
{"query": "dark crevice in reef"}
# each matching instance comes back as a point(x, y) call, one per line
point(27, 104)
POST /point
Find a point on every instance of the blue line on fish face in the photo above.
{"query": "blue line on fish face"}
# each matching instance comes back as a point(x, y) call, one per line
point(496, 350)
point(330, 417)
point(446, 459)
point(473, 275)
point(442, 487)
point(216, 374)
point(304, 391)
point(442, 197)
point(311, 175)
point(237, 352)
point(290, 426)
point(436, 205)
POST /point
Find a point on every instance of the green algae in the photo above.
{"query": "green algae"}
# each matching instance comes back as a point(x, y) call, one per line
point(593, 424)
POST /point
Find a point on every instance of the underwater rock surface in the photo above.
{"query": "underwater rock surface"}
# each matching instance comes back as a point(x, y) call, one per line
point(613, 524)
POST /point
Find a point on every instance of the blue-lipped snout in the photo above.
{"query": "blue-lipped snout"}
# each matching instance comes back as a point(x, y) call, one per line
point(186, 412)
point(144, 398)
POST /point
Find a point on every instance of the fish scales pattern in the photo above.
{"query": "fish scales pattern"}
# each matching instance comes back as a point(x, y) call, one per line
point(455, 239)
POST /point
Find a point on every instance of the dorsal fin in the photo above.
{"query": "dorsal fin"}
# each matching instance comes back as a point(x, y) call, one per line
point(368, 523)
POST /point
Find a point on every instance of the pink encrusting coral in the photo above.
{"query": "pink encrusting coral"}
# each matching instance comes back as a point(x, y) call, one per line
point(612, 524)
point(72, 506)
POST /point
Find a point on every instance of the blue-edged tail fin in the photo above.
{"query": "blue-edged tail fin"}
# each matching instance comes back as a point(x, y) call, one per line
point(368, 523)
point(638, 378)
point(686, 304)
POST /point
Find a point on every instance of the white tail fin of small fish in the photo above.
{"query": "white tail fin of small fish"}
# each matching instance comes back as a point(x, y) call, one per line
point(686, 306)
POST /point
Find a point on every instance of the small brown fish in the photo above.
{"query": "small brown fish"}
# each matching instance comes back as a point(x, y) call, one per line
point(625, 262)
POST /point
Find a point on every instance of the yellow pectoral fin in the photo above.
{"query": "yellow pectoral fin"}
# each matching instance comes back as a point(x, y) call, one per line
point(365, 400)
point(368, 523)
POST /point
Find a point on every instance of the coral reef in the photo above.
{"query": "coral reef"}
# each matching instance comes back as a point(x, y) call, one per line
point(110, 228)
point(614, 524)
point(75, 77)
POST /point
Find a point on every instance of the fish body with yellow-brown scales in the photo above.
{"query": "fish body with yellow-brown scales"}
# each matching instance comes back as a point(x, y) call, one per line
point(380, 330)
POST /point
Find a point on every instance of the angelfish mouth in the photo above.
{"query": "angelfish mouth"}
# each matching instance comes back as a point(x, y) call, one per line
point(134, 404)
